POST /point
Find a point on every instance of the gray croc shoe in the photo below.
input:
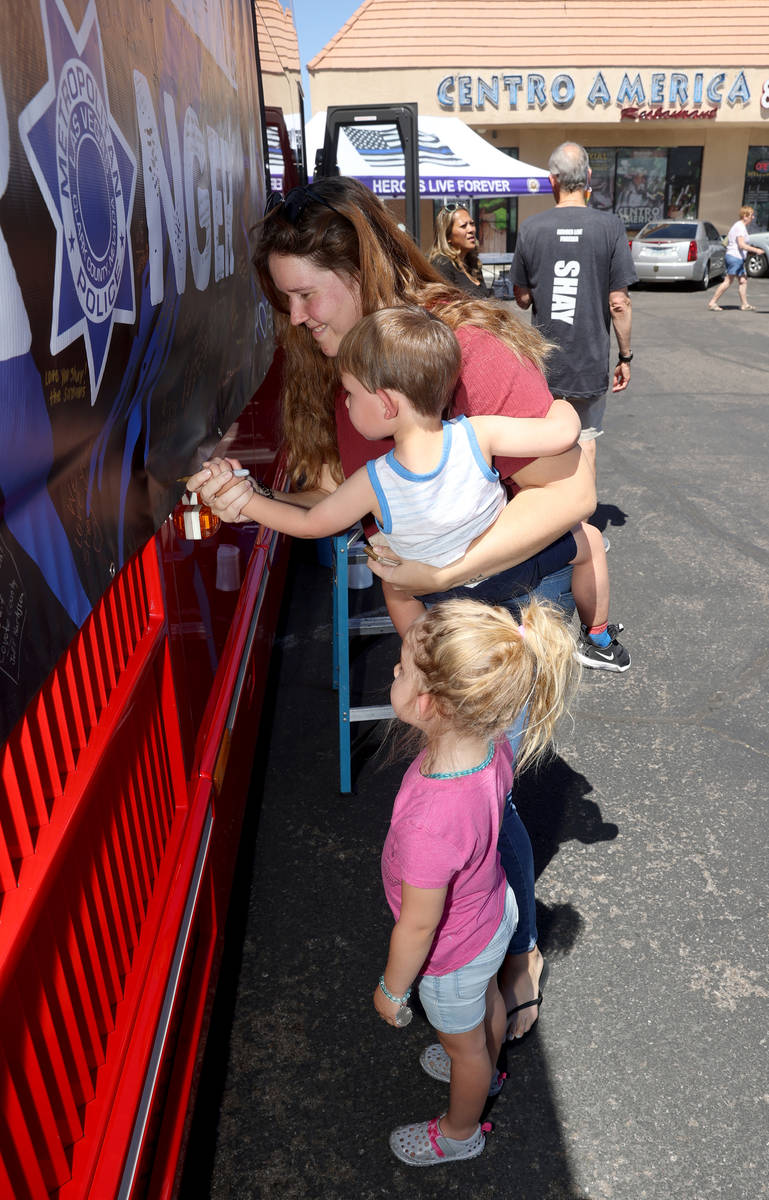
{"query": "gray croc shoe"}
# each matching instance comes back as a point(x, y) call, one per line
point(436, 1063)
point(423, 1144)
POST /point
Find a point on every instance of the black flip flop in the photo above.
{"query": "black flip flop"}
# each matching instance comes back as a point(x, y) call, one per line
point(530, 1004)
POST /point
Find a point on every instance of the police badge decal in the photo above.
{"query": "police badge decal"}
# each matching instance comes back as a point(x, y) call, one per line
point(86, 173)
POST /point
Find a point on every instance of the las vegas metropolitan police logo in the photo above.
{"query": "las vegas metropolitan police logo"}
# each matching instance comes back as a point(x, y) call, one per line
point(87, 175)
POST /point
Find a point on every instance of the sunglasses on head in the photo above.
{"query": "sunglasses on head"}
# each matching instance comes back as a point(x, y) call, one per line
point(293, 204)
point(452, 206)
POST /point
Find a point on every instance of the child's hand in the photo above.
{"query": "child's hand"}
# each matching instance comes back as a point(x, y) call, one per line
point(224, 494)
point(386, 1008)
point(382, 554)
point(195, 482)
point(409, 575)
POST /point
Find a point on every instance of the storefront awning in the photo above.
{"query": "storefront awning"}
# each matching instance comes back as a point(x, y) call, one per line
point(453, 160)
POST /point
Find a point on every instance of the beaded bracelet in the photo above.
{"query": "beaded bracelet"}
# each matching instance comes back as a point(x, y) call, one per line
point(395, 999)
point(264, 490)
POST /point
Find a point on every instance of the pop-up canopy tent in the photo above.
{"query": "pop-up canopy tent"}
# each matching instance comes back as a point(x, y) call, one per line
point(453, 161)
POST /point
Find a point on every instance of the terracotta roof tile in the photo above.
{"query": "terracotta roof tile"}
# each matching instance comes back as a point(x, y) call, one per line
point(278, 45)
point(569, 33)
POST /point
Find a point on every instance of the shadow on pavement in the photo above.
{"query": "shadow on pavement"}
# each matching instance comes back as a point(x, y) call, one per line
point(608, 514)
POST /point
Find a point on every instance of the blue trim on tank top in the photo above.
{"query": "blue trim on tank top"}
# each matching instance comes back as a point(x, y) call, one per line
point(488, 471)
point(386, 524)
point(399, 469)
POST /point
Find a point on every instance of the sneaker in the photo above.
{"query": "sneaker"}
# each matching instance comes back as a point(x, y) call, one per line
point(423, 1145)
point(436, 1063)
point(613, 657)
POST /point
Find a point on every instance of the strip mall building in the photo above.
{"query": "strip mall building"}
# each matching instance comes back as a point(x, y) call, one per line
point(671, 99)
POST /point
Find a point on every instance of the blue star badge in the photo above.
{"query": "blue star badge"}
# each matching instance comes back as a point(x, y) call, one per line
point(87, 175)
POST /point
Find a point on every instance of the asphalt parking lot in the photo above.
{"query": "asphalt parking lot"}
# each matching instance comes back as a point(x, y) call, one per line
point(648, 1077)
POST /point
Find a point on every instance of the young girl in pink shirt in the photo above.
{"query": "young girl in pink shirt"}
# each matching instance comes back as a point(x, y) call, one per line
point(466, 672)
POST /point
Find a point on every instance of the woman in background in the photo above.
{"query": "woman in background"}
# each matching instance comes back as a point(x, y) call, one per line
point(455, 251)
point(737, 247)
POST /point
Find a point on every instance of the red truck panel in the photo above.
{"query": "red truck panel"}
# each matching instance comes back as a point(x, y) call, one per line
point(116, 861)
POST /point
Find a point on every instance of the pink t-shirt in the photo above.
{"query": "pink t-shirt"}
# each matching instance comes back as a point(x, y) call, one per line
point(443, 833)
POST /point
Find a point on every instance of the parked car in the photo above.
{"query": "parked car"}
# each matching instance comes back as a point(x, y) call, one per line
point(757, 265)
point(678, 251)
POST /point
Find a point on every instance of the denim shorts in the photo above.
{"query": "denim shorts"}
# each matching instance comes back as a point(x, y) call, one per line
point(735, 265)
point(456, 1003)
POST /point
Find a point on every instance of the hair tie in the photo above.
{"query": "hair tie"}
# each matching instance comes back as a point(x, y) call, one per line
point(522, 631)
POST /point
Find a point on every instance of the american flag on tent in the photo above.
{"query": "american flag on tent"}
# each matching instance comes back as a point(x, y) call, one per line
point(382, 144)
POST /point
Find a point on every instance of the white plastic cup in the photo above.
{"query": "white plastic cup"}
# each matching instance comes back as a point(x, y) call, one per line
point(228, 568)
point(359, 576)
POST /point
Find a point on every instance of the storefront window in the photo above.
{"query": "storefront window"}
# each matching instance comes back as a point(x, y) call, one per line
point(682, 190)
point(756, 191)
point(497, 219)
point(497, 225)
point(645, 184)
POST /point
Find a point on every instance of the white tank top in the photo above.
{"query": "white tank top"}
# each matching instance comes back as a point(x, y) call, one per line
point(433, 518)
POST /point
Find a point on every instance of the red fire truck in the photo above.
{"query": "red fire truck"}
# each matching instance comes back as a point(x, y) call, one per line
point(134, 342)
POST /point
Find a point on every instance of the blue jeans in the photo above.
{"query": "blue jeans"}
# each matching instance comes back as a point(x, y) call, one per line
point(514, 844)
point(546, 574)
point(517, 857)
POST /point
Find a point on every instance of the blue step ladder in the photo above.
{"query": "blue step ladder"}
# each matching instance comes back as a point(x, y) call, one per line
point(348, 548)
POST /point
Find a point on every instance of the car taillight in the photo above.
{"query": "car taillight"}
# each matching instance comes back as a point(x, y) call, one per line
point(630, 243)
point(692, 255)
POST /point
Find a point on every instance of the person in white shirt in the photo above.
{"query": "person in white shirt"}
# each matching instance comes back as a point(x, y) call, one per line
point(737, 248)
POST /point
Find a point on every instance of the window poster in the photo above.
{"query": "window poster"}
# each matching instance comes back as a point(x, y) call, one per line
point(602, 177)
point(756, 192)
point(640, 185)
point(683, 183)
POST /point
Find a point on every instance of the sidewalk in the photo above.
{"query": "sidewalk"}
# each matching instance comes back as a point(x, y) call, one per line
point(648, 1077)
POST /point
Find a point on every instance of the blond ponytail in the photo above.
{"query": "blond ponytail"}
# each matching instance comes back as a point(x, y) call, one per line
point(484, 669)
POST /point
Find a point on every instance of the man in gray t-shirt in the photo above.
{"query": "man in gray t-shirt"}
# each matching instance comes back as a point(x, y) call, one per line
point(573, 265)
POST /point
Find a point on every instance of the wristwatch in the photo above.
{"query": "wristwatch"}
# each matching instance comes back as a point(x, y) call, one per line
point(625, 358)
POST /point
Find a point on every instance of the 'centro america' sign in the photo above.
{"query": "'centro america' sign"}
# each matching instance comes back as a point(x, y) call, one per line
point(536, 91)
